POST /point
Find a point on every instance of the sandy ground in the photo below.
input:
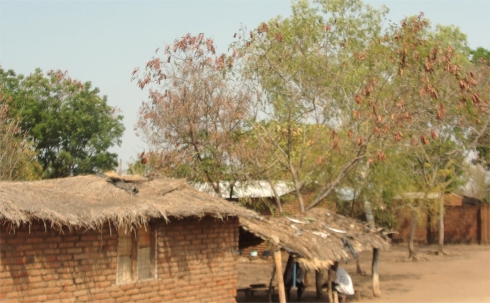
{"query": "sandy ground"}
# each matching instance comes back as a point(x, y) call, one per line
point(463, 275)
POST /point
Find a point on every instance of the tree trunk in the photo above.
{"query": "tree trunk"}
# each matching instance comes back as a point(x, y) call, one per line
point(297, 187)
point(376, 288)
point(370, 219)
point(280, 281)
point(441, 224)
point(276, 195)
point(369, 213)
point(411, 251)
point(319, 283)
point(354, 254)
point(300, 197)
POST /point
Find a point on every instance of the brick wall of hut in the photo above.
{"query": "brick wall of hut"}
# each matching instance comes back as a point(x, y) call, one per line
point(195, 262)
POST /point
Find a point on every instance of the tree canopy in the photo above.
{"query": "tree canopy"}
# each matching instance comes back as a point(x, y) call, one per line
point(336, 90)
point(197, 115)
point(70, 126)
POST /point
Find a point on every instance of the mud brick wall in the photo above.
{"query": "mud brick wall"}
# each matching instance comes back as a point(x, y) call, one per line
point(420, 233)
point(453, 200)
point(485, 224)
point(461, 226)
point(196, 262)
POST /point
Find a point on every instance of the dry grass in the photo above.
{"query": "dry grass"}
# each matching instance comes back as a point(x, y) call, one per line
point(90, 201)
point(315, 251)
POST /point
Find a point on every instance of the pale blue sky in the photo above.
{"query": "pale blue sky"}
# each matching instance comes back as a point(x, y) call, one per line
point(103, 41)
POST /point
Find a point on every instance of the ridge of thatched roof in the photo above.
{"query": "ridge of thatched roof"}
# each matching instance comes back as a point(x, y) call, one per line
point(320, 238)
point(90, 201)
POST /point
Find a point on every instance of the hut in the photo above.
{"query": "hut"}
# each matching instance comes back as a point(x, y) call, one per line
point(117, 239)
point(318, 238)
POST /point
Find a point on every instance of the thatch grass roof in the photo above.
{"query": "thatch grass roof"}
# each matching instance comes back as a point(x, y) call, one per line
point(90, 201)
point(323, 239)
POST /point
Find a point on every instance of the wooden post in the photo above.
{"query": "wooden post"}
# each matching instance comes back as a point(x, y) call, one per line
point(330, 281)
point(335, 297)
point(319, 283)
point(280, 280)
point(270, 284)
point(376, 289)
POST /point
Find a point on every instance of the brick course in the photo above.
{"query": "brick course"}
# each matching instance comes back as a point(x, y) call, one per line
point(40, 264)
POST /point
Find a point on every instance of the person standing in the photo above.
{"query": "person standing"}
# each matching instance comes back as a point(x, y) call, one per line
point(343, 283)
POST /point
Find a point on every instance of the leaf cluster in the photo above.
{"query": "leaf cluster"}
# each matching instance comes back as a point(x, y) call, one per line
point(69, 124)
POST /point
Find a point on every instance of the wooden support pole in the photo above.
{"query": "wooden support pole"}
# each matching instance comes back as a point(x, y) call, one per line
point(335, 297)
point(376, 288)
point(319, 283)
point(270, 284)
point(330, 282)
point(280, 280)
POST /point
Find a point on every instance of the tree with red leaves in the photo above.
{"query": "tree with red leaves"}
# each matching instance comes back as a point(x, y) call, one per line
point(197, 115)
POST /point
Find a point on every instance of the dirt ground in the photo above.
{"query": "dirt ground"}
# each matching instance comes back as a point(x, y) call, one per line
point(463, 275)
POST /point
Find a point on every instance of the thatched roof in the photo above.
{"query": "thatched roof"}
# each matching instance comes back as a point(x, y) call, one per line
point(320, 238)
point(90, 201)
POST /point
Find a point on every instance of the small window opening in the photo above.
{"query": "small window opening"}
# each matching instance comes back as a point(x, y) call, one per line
point(136, 254)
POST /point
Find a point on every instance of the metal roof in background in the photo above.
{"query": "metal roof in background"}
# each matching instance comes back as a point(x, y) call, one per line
point(249, 189)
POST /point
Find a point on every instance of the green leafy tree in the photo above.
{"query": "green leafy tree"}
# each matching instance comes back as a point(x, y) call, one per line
point(17, 157)
point(480, 55)
point(307, 67)
point(70, 125)
point(373, 88)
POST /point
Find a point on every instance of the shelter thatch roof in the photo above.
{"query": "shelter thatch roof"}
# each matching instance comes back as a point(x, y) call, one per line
point(90, 201)
point(319, 238)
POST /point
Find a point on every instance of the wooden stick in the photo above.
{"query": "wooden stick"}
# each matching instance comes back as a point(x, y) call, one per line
point(330, 282)
point(335, 297)
point(376, 289)
point(319, 283)
point(280, 280)
point(270, 284)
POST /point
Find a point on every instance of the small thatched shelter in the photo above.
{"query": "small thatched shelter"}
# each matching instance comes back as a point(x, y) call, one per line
point(319, 236)
point(110, 238)
point(317, 239)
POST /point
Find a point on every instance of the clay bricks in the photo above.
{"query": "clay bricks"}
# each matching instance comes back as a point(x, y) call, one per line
point(82, 265)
